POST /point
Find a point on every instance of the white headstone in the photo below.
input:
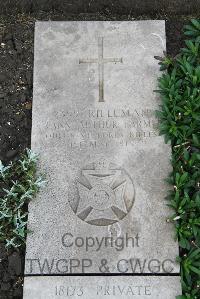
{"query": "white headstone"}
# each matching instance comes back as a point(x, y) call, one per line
point(94, 126)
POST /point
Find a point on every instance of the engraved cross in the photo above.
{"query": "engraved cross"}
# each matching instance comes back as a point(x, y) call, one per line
point(101, 60)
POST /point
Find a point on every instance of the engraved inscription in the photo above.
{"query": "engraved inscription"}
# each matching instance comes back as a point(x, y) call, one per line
point(101, 60)
point(104, 290)
point(100, 128)
point(105, 194)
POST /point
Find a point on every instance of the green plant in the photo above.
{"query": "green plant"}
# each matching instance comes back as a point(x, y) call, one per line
point(193, 30)
point(19, 183)
point(179, 116)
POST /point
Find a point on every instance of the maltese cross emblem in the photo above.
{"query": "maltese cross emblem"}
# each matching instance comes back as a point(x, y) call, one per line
point(105, 194)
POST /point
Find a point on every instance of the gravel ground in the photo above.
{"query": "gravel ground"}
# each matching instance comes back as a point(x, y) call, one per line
point(16, 68)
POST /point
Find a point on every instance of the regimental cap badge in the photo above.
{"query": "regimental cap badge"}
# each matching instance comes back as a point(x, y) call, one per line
point(105, 194)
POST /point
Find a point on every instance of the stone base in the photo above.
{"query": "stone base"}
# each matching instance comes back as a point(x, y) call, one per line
point(99, 287)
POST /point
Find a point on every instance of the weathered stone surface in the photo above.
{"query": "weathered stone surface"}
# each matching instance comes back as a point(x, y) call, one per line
point(95, 130)
point(113, 287)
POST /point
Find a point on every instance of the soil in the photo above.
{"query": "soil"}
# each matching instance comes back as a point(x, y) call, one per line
point(16, 81)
